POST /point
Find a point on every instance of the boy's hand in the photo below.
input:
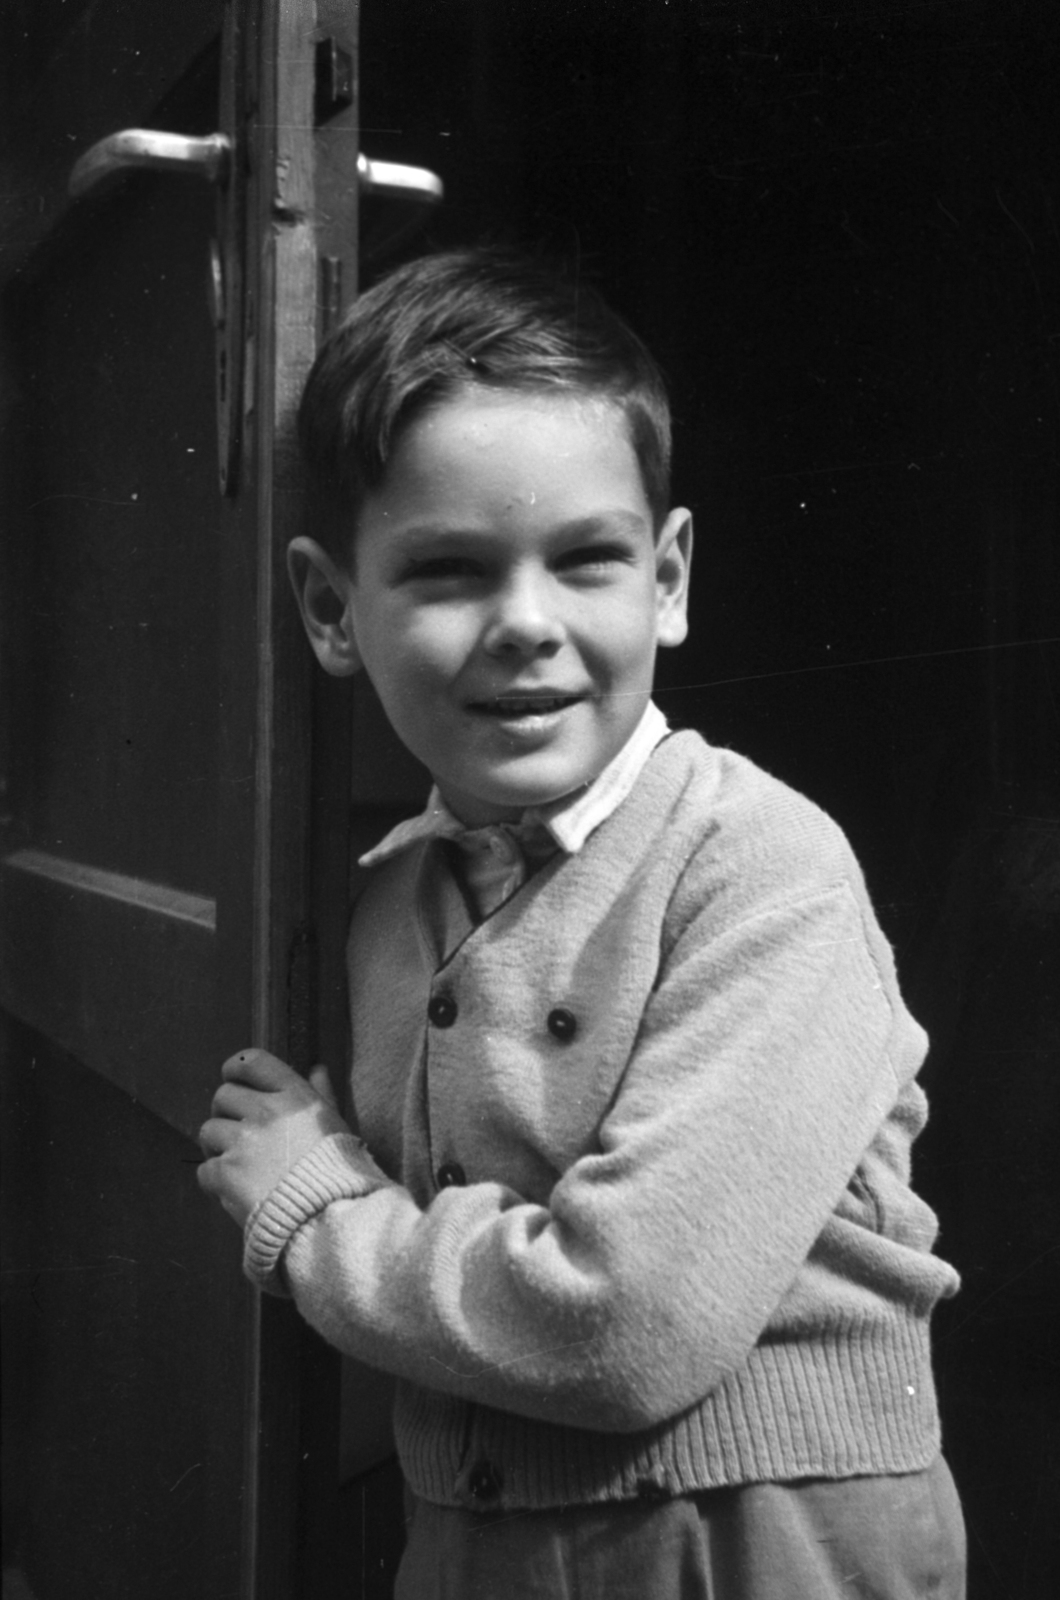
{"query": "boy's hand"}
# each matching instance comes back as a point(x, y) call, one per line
point(265, 1117)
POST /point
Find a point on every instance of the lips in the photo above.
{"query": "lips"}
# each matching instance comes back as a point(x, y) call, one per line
point(530, 705)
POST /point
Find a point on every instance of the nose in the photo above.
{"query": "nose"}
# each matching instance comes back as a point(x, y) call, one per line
point(524, 617)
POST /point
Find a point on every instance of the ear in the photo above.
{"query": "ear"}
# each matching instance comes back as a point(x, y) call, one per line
point(323, 592)
point(673, 566)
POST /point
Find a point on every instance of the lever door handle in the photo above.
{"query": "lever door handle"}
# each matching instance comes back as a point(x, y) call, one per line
point(398, 182)
point(207, 157)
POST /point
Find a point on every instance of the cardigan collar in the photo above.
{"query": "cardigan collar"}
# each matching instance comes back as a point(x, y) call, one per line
point(568, 821)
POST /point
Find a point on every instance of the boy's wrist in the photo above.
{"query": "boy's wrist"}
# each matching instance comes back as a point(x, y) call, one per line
point(339, 1167)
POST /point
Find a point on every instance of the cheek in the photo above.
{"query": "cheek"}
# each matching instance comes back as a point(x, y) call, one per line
point(412, 671)
point(436, 644)
point(627, 640)
point(398, 647)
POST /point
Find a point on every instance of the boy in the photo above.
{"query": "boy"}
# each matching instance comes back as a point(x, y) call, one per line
point(630, 1222)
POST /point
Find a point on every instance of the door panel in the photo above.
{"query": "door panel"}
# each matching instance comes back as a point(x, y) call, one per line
point(123, 1353)
point(120, 973)
point(114, 350)
point(117, 688)
point(175, 1436)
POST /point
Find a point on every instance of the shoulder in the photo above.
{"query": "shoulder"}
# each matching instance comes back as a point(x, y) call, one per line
point(742, 835)
point(732, 804)
point(382, 894)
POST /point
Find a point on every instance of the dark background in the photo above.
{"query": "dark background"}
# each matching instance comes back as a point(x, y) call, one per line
point(835, 224)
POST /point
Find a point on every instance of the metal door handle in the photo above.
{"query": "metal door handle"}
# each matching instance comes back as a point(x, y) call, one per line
point(209, 157)
point(206, 157)
point(398, 182)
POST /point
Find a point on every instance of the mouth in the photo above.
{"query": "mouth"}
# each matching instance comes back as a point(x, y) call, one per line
point(509, 706)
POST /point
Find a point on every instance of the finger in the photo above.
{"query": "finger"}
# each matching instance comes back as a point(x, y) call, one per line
point(218, 1135)
point(321, 1082)
point(206, 1176)
point(211, 1182)
point(236, 1101)
point(257, 1069)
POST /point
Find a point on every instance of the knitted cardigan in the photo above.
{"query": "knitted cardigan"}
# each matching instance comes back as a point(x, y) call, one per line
point(638, 1220)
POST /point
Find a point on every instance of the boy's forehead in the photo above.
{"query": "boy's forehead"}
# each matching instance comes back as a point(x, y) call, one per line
point(545, 441)
point(527, 402)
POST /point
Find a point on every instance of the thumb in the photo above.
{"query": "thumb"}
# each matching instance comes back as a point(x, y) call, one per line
point(321, 1082)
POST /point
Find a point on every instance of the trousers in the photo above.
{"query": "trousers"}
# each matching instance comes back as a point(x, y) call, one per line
point(895, 1537)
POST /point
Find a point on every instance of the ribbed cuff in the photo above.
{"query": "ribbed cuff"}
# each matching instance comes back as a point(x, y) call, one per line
point(338, 1168)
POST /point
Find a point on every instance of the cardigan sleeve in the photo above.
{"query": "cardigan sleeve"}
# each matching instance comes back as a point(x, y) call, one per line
point(338, 1168)
point(760, 1074)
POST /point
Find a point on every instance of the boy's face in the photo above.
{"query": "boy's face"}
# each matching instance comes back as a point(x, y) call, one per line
point(509, 595)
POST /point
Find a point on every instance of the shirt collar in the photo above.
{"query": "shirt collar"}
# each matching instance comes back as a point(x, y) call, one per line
point(569, 820)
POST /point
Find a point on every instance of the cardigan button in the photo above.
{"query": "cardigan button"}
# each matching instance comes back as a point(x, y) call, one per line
point(651, 1490)
point(441, 1010)
point(484, 1482)
point(562, 1024)
point(451, 1176)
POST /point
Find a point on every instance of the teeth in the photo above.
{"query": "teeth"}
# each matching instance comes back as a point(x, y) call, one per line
point(511, 706)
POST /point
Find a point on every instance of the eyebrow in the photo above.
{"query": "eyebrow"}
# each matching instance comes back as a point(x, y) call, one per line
point(614, 521)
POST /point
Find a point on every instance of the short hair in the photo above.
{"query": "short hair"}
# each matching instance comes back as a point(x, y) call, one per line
point(475, 317)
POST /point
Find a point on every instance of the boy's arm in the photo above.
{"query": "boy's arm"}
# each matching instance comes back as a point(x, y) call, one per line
point(760, 1075)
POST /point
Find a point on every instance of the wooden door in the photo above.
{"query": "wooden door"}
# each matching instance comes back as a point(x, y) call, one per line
point(169, 1433)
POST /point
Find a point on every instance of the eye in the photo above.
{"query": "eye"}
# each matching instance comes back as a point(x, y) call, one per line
point(439, 569)
point(591, 558)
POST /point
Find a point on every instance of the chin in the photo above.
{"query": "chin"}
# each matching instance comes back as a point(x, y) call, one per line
point(504, 804)
point(542, 795)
